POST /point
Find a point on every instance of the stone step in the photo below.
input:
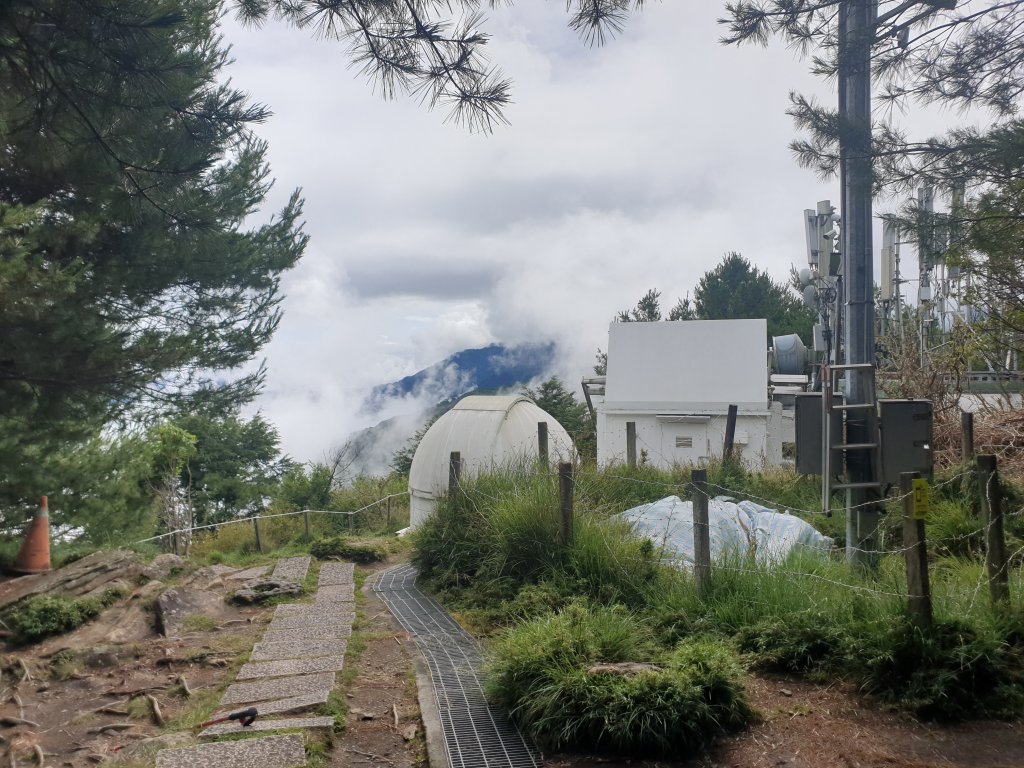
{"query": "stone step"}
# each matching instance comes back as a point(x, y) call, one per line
point(291, 634)
point(292, 569)
point(283, 706)
point(325, 621)
point(336, 593)
point(305, 610)
point(289, 667)
point(270, 752)
point(336, 573)
point(297, 649)
point(263, 690)
point(223, 729)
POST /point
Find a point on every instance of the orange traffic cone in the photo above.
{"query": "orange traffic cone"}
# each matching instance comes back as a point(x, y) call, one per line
point(34, 556)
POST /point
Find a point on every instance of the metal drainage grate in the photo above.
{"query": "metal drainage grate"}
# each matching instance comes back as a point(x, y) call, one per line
point(475, 735)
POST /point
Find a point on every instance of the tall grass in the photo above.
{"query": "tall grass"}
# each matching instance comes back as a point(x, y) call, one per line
point(494, 547)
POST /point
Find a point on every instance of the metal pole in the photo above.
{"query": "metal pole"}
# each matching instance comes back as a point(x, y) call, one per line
point(856, 30)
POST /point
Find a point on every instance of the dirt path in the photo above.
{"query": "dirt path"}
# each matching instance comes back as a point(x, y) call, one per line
point(384, 727)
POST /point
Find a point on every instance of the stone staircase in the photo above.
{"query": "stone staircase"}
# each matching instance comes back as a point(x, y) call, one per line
point(291, 671)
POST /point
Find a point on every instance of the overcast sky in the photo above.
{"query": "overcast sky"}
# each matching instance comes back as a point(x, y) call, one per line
point(635, 165)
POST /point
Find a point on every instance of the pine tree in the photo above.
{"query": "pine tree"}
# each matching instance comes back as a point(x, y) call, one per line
point(128, 275)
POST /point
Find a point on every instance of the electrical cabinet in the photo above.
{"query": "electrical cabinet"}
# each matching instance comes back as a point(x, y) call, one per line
point(807, 416)
point(905, 428)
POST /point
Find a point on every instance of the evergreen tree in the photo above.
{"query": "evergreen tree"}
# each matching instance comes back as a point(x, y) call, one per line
point(128, 274)
point(966, 55)
point(736, 290)
point(235, 465)
point(552, 397)
point(415, 47)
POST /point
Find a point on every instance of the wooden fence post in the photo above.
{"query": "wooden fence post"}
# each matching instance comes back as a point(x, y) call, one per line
point(542, 443)
point(454, 471)
point(966, 436)
point(305, 521)
point(915, 552)
point(388, 526)
point(259, 538)
point(701, 531)
point(631, 444)
point(730, 433)
point(995, 539)
point(565, 500)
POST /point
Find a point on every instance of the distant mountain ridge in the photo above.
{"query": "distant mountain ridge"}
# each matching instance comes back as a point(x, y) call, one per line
point(487, 370)
point(492, 368)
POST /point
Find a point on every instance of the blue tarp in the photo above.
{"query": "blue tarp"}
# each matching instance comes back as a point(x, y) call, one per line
point(737, 529)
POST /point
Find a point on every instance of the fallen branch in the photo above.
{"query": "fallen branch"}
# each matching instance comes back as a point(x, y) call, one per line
point(154, 709)
point(369, 755)
point(184, 686)
point(112, 727)
point(8, 721)
point(40, 755)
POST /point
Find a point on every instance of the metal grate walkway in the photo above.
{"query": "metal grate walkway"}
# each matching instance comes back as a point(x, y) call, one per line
point(475, 735)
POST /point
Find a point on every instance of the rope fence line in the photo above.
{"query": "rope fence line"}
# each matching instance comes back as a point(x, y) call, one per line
point(251, 518)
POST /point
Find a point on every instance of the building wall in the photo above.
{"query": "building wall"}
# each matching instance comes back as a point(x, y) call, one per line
point(668, 440)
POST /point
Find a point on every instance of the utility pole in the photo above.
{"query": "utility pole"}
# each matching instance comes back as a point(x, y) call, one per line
point(856, 34)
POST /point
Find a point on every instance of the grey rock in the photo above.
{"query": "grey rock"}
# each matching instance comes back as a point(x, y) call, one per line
point(261, 590)
point(176, 604)
point(248, 574)
point(162, 566)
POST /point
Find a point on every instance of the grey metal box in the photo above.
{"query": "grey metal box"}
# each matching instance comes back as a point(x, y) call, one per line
point(807, 427)
point(905, 428)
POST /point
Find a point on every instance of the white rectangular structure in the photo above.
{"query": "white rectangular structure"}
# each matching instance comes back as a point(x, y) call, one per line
point(676, 380)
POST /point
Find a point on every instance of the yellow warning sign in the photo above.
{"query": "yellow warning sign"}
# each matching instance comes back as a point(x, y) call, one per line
point(920, 491)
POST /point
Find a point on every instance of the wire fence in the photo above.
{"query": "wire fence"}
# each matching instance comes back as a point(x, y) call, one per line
point(189, 530)
point(862, 581)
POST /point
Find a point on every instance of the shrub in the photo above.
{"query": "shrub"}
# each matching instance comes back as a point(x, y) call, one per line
point(541, 673)
point(38, 617)
point(801, 643)
point(357, 550)
point(951, 671)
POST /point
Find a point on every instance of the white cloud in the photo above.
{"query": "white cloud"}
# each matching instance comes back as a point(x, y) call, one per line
point(627, 167)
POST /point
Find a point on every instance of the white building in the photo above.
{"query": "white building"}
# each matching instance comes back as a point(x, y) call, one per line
point(488, 433)
point(676, 380)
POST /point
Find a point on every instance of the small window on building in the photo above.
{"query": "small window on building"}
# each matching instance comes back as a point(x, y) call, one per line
point(684, 442)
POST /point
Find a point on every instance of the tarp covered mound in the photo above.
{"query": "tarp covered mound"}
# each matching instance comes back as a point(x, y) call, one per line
point(737, 529)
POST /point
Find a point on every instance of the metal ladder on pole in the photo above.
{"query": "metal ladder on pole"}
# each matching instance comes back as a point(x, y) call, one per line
point(867, 411)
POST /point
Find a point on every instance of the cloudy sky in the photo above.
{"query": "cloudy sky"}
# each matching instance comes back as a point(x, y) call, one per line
point(635, 165)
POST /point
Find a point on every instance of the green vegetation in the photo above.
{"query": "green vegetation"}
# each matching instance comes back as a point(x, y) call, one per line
point(346, 548)
point(543, 674)
point(42, 616)
point(493, 553)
